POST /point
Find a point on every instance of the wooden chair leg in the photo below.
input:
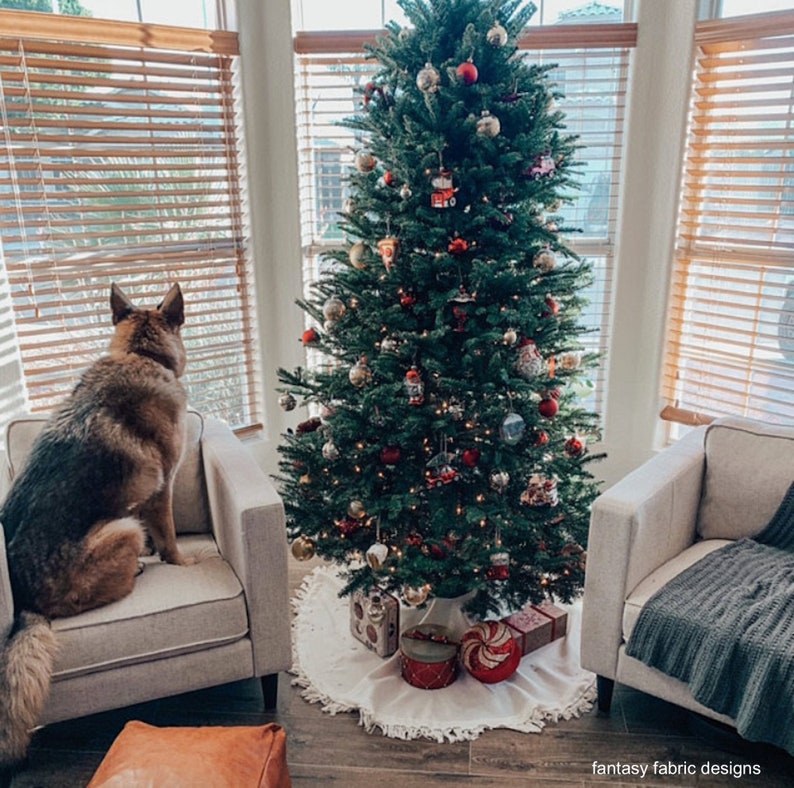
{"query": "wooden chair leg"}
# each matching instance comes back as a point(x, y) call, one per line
point(270, 690)
point(605, 687)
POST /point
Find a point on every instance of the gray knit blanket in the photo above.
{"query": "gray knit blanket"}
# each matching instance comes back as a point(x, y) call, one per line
point(725, 627)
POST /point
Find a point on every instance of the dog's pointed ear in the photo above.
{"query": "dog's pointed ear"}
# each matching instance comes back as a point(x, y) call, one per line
point(120, 305)
point(173, 306)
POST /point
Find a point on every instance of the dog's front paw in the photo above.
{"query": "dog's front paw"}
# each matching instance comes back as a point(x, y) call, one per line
point(178, 559)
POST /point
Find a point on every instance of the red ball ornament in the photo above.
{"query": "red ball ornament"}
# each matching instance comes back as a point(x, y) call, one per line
point(552, 308)
point(548, 407)
point(407, 299)
point(310, 336)
point(574, 446)
point(470, 457)
point(489, 652)
point(468, 72)
point(390, 455)
point(388, 178)
point(458, 246)
point(540, 438)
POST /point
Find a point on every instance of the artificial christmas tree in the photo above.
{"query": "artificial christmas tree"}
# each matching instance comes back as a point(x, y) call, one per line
point(449, 443)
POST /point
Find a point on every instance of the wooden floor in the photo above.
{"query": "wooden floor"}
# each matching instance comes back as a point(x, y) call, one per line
point(325, 749)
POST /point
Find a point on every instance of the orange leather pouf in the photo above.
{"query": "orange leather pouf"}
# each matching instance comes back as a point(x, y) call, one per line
point(144, 756)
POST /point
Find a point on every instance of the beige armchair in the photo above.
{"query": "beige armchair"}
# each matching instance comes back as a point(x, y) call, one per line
point(222, 619)
point(717, 484)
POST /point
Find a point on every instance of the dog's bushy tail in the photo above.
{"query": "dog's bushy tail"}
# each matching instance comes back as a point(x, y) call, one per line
point(26, 662)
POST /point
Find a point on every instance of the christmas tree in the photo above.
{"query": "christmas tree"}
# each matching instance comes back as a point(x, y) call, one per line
point(448, 452)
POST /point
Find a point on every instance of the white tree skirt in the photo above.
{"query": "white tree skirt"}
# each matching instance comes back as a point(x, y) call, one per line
point(336, 670)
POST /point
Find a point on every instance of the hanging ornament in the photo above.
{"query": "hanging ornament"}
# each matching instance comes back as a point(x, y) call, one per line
point(500, 566)
point(545, 260)
point(443, 194)
point(330, 452)
point(334, 309)
point(414, 387)
point(529, 363)
point(356, 510)
point(414, 539)
point(310, 337)
point(570, 360)
point(512, 429)
point(539, 438)
point(389, 344)
point(544, 166)
point(496, 36)
point(287, 401)
point(468, 72)
point(405, 191)
point(388, 248)
point(364, 161)
point(541, 491)
point(357, 255)
point(388, 178)
point(552, 308)
point(548, 406)
point(407, 298)
point(460, 308)
point(488, 125)
point(360, 374)
point(499, 480)
point(510, 337)
point(440, 470)
point(470, 457)
point(303, 548)
point(305, 480)
point(455, 410)
point(348, 525)
point(390, 455)
point(458, 246)
point(369, 90)
point(376, 555)
point(575, 446)
point(376, 610)
point(428, 79)
point(416, 595)
point(310, 425)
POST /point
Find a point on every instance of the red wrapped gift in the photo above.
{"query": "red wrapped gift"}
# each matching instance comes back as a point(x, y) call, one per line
point(428, 657)
point(375, 620)
point(537, 625)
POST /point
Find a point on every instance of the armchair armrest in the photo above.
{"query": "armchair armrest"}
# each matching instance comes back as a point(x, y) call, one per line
point(6, 600)
point(250, 528)
point(637, 525)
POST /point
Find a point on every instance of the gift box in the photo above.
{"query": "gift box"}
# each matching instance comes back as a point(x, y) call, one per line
point(375, 620)
point(428, 657)
point(537, 625)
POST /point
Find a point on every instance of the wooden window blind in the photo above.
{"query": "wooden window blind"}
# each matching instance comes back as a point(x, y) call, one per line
point(122, 161)
point(731, 318)
point(592, 63)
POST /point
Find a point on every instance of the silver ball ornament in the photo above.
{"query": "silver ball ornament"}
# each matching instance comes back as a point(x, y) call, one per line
point(287, 401)
point(428, 79)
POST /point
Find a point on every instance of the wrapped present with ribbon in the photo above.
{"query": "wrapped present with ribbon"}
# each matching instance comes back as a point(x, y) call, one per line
point(428, 656)
point(537, 625)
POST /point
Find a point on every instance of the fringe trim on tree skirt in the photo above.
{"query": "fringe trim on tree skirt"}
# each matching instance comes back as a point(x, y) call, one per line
point(337, 671)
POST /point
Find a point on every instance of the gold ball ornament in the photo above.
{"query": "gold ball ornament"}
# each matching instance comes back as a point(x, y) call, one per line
point(360, 374)
point(287, 401)
point(510, 337)
point(334, 309)
point(428, 79)
point(356, 510)
point(497, 35)
point(303, 549)
point(545, 261)
point(365, 161)
point(488, 125)
point(415, 596)
point(357, 254)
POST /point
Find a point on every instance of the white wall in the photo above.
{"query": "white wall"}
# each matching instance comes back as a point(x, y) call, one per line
point(659, 92)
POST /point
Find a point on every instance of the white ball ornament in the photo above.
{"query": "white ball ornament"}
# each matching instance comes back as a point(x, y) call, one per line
point(488, 125)
point(376, 555)
point(496, 36)
point(330, 452)
point(334, 308)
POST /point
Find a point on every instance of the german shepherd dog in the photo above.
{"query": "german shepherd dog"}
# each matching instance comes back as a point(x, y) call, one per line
point(101, 471)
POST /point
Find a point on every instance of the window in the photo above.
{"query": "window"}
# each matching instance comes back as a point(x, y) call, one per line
point(731, 319)
point(121, 161)
point(592, 70)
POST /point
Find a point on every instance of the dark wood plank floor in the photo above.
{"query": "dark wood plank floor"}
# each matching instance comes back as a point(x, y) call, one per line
point(325, 749)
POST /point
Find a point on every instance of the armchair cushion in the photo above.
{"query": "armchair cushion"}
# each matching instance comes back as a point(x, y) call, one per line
point(175, 610)
point(661, 576)
point(749, 467)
